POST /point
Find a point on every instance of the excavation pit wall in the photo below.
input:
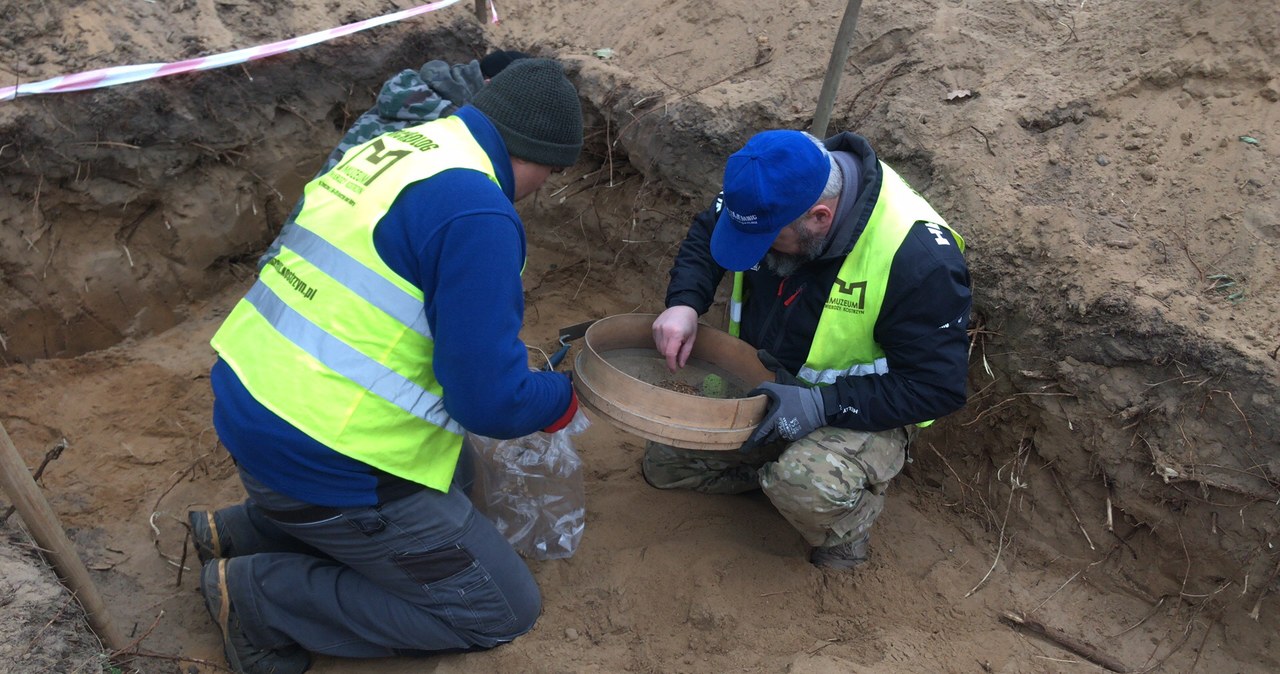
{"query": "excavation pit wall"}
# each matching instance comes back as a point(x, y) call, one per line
point(127, 206)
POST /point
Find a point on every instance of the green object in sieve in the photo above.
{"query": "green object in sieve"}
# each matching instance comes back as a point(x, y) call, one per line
point(714, 386)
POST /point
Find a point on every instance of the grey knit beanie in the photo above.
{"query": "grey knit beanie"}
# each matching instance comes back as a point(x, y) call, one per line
point(536, 110)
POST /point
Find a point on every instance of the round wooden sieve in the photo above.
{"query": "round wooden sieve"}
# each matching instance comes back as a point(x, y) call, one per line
point(659, 414)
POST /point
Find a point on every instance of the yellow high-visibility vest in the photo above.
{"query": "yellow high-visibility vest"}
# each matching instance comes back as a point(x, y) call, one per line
point(332, 340)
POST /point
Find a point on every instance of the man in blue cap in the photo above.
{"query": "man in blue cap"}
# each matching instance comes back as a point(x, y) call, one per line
point(856, 293)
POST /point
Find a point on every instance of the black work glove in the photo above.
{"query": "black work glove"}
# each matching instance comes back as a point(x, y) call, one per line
point(794, 412)
point(780, 373)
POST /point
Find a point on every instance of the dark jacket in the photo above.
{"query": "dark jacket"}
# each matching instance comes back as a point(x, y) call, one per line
point(922, 326)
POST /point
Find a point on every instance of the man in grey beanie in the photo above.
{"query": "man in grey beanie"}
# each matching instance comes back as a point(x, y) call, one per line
point(537, 112)
point(383, 326)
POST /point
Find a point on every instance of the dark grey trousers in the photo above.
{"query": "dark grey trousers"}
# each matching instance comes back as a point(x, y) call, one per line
point(422, 574)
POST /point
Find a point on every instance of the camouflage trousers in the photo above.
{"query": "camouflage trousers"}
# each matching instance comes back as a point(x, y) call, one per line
point(829, 484)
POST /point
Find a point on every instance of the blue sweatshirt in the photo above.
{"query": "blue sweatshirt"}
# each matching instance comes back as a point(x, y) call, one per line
point(456, 236)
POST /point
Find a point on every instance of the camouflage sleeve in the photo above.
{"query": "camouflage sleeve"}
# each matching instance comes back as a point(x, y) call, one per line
point(367, 127)
point(405, 99)
point(457, 84)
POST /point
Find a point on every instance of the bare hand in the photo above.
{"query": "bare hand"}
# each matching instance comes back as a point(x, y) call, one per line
point(673, 333)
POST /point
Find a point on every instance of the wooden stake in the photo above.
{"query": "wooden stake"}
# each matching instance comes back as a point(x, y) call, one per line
point(53, 453)
point(831, 83)
point(47, 531)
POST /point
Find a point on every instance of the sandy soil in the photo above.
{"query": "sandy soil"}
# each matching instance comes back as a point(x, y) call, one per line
point(1112, 166)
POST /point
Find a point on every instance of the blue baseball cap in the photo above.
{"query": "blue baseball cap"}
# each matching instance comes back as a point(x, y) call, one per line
point(771, 181)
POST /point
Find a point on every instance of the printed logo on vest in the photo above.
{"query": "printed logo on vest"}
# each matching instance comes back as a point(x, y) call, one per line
point(855, 303)
point(373, 160)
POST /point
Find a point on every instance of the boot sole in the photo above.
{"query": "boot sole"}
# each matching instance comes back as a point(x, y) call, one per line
point(213, 581)
point(204, 535)
point(217, 600)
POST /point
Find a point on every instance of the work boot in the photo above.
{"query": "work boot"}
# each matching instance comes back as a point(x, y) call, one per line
point(205, 535)
point(843, 556)
point(243, 656)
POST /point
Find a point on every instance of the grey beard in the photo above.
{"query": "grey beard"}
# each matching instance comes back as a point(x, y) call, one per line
point(784, 264)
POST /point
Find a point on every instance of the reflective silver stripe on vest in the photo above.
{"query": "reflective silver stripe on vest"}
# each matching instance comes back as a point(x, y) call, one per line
point(359, 279)
point(346, 361)
point(881, 366)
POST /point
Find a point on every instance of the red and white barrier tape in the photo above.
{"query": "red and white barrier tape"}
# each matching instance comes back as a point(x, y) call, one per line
point(106, 77)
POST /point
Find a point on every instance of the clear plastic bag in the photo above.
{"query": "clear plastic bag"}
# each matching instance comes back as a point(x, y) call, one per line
point(531, 489)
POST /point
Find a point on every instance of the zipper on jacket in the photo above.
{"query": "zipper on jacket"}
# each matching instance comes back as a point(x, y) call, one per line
point(786, 304)
point(767, 327)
